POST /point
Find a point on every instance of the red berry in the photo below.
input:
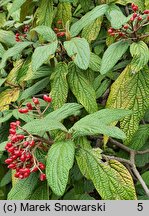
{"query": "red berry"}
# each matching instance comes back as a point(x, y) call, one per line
point(9, 161)
point(110, 30)
point(35, 169)
point(126, 26)
point(20, 136)
point(17, 34)
point(35, 100)
point(12, 131)
point(23, 158)
point(23, 110)
point(146, 12)
point(139, 18)
point(14, 138)
point(56, 29)
point(47, 98)
point(11, 149)
point(17, 153)
point(42, 177)
point(18, 123)
point(29, 106)
point(9, 144)
point(59, 22)
point(41, 166)
point(13, 125)
point(12, 166)
point(32, 143)
point(25, 144)
point(135, 8)
point(135, 15)
point(17, 174)
point(26, 175)
point(21, 176)
point(28, 156)
point(14, 157)
point(132, 19)
point(60, 34)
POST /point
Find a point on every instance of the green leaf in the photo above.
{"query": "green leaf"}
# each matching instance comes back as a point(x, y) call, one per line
point(94, 127)
point(65, 111)
point(2, 146)
point(63, 13)
point(15, 6)
point(78, 49)
point(95, 62)
point(46, 32)
point(40, 193)
point(5, 118)
point(42, 54)
point(37, 87)
point(115, 16)
point(7, 37)
point(59, 161)
point(2, 50)
point(140, 54)
point(98, 11)
point(41, 126)
point(140, 137)
point(45, 13)
point(112, 55)
point(6, 179)
point(91, 31)
point(59, 85)
point(112, 181)
point(17, 49)
point(81, 88)
point(130, 91)
point(23, 189)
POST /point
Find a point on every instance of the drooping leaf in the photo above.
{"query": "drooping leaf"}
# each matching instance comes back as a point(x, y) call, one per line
point(46, 32)
point(15, 6)
point(59, 161)
point(6, 117)
point(40, 193)
point(7, 37)
point(59, 85)
point(2, 146)
point(140, 54)
point(113, 181)
point(130, 91)
point(86, 4)
point(115, 16)
point(112, 55)
point(37, 87)
point(27, 9)
point(23, 189)
point(82, 88)
point(98, 11)
point(17, 49)
point(6, 179)
point(8, 96)
point(63, 13)
point(45, 13)
point(41, 126)
point(42, 54)
point(65, 111)
point(78, 49)
point(91, 31)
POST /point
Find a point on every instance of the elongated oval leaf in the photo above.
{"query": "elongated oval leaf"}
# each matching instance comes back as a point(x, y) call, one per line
point(98, 11)
point(140, 54)
point(113, 181)
point(16, 5)
point(78, 49)
point(112, 55)
point(18, 48)
point(42, 54)
point(59, 161)
point(82, 88)
point(46, 32)
point(59, 85)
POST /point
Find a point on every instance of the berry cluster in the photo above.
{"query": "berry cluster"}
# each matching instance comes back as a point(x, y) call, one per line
point(21, 150)
point(130, 29)
point(20, 37)
point(36, 102)
point(59, 32)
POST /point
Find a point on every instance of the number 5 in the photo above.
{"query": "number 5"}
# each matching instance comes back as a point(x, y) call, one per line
point(140, 207)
